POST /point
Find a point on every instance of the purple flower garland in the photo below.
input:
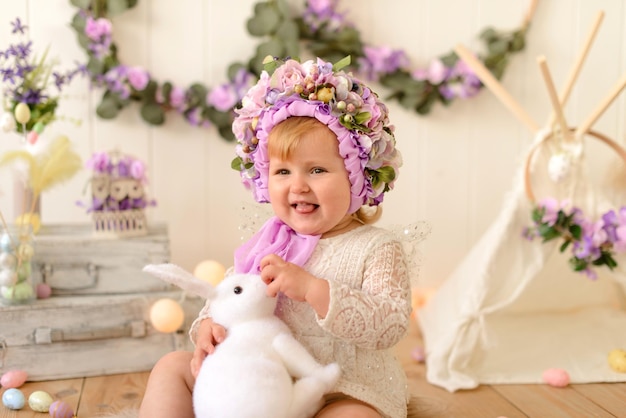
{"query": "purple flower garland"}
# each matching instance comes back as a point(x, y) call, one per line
point(593, 243)
point(443, 80)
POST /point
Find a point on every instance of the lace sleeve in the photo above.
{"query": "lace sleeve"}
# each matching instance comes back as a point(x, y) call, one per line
point(193, 329)
point(377, 315)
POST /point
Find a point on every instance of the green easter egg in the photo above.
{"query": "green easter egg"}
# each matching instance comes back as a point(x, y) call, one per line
point(39, 127)
point(18, 292)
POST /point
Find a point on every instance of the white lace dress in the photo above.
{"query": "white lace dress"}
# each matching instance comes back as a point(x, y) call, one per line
point(370, 306)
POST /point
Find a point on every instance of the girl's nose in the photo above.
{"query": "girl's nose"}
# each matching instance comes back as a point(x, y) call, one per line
point(299, 184)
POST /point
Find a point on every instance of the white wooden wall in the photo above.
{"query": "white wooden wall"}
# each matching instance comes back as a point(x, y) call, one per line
point(459, 161)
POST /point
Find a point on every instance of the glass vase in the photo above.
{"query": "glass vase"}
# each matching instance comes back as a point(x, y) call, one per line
point(17, 248)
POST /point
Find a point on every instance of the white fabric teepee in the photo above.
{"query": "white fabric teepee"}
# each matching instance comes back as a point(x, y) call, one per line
point(513, 309)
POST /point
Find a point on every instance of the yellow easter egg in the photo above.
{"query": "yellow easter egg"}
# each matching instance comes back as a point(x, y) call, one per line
point(166, 315)
point(210, 271)
point(22, 113)
point(33, 219)
point(617, 360)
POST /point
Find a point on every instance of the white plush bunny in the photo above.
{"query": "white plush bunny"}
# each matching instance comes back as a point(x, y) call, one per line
point(252, 372)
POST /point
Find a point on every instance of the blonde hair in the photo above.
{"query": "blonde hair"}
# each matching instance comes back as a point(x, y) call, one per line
point(290, 131)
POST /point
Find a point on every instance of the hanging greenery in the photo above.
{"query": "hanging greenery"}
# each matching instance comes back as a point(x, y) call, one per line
point(320, 28)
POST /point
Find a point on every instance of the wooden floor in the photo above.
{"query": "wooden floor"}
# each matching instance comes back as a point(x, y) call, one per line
point(95, 396)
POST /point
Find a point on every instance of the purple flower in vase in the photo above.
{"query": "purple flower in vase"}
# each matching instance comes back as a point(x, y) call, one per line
point(18, 27)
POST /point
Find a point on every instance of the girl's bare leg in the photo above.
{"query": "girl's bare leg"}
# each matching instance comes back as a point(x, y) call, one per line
point(348, 408)
point(168, 392)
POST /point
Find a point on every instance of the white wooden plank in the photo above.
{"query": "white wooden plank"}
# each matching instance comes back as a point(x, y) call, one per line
point(444, 179)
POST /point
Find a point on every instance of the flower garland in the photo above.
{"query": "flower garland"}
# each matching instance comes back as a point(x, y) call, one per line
point(322, 28)
point(593, 242)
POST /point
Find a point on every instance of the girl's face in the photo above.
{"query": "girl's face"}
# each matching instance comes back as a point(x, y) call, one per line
point(310, 190)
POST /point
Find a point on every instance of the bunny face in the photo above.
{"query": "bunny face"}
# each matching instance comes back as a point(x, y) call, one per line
point(241, 298)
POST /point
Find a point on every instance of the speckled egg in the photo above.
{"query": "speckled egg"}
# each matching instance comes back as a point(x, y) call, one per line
point(5, 243)
point(7, 260)
point(8, 277)
point(60, 409)
point(617, 360)
point(40, 401)
point(13, 399)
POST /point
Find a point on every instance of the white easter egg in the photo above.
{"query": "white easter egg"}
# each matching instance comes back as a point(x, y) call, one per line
point(8, 277)
point(7, 122)
point(559, 167)
point(7, 260)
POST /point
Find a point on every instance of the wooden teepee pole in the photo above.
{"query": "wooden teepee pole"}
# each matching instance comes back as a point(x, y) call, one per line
point(601, 108)
point(496, 88)
point(554, 99)
point(578, 64)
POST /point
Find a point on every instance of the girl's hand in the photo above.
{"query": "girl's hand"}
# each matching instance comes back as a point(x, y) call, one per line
point(295, 283)
point(288, 278)
point(209, 335)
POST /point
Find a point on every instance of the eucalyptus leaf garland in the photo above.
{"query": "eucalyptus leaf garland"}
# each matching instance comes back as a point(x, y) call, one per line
point(281, 34)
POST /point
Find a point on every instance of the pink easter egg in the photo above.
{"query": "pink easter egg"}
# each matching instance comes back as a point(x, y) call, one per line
point(556, 377)
point(60, 409)
point(13, 379)
point(418, 354)
point(32, 137)
point(43, 291)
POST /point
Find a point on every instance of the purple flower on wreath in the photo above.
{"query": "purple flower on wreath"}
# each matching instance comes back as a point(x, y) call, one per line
point(461, 82)
point(615, 228)
point(435, 74)
point(177, 98)
point(97, 29)
point(379, 61)
point(114, 79)
point(226, 96)
point(320, 12)
point(551, 207)
point(222, 97)
point(138, 78)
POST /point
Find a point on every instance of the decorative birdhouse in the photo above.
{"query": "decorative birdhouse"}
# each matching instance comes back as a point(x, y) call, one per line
point(118, 198)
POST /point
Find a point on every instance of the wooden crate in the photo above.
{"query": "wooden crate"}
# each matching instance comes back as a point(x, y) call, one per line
point(73, 261)
point(74, 336)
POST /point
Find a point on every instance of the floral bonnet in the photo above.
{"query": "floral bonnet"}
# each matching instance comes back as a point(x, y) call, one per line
point(350, 109)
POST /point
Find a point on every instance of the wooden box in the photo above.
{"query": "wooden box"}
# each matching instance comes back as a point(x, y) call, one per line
point(74, 336)
point(74, 261)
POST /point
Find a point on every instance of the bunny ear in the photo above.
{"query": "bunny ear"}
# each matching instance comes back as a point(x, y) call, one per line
point(180, 277)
